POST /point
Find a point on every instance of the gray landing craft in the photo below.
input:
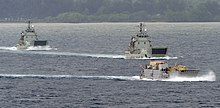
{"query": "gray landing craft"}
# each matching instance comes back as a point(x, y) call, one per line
point(140, 46)
point(158, 69)
point(29, 38)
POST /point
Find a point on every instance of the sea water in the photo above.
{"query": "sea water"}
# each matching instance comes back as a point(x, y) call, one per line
point(84, 66)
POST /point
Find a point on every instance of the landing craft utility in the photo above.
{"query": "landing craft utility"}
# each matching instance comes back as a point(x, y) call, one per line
point(29, 38)
point(140, 46)
point(159, 69)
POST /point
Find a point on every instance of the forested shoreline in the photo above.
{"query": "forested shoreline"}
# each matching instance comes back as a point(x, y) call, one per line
point(73, 11)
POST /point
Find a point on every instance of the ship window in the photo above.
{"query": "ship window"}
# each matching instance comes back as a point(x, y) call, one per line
point(138, 42)
point(144, 42)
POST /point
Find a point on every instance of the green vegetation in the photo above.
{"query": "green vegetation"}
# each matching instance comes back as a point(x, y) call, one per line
point(110, 10)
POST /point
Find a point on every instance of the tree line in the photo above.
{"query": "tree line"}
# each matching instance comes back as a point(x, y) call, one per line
point(110, 10)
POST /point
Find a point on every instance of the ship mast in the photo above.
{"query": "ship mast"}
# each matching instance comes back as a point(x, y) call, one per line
point(30, 28)
point(141, 27)
point(29, 24)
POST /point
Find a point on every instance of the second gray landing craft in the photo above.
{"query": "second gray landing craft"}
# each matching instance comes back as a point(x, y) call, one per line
point(29, 38)
point(140, 46)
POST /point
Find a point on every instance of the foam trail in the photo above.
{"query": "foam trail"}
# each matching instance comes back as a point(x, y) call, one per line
point(111, 77)
point(80, 54)
point(73, 76)
point(45, 50)
point(158, 58)
point(210, 76)
point(114, 56)
point(67, 76)
point(8, 48)
point(31, 48)
point(33, 76)
point(40, 48)
point(103, 55)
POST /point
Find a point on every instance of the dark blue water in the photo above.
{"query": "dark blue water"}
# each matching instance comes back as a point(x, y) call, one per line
point(60, 78)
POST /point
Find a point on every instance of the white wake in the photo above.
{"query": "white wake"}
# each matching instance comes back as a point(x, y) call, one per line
point(31, 48)
point(8, 48)
point(67, 76)
point(40, 48)
point(208, 77)
point(83, 54)
point(47, 50)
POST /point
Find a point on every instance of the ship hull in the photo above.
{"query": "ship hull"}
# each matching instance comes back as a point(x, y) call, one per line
point(34, 43)
point(134, 56)
point(158, 74)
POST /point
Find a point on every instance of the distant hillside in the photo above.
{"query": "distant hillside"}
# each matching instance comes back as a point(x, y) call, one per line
point(109, 10)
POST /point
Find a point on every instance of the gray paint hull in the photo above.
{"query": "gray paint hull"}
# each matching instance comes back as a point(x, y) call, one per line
point(158, 74)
